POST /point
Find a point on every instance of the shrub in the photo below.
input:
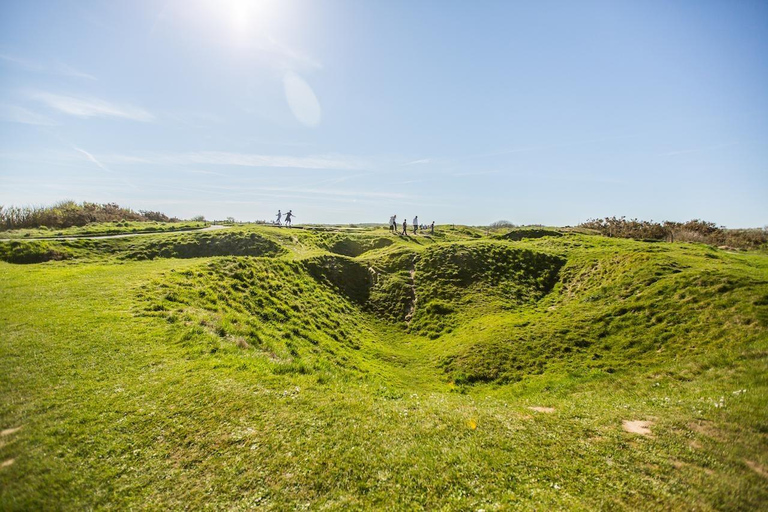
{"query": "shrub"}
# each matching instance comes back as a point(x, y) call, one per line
point(695, 230)
point(65, 214)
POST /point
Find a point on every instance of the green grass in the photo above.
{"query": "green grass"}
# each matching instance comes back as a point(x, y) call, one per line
point(102, 229)
point(284, 369)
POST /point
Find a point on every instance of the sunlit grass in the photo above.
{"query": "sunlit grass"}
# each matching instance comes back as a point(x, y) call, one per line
point(291, 378)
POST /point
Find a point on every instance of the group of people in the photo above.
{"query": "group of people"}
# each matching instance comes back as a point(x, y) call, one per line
point(416, 226)
point(288, 216)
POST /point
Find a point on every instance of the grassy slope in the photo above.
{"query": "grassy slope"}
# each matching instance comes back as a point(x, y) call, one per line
point(239, 381)
point(103, 229)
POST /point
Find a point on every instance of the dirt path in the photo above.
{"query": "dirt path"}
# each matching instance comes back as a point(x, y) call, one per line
point(122, 235)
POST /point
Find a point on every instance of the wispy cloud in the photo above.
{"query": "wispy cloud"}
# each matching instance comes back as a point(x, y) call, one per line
point(212, 173)
point(274, 142)
point(57, 68)
point(698, 150)
point(341, 179)
point(418, 162)
point(475, 173)
point(527, 149)
point(93, 159)
point(67, 70)
point(88, 156)
point(339, 193)
point(91, 107)
point(27, 64)
point(338, 162)
point(17, 114)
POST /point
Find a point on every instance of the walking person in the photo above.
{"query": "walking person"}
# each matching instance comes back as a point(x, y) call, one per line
point(415, 224)
point(288, 217)
point(393, 224)
point(279, 216)
point(405, 227)
point(432, 228)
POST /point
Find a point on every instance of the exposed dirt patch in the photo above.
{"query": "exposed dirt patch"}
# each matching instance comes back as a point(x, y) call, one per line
point(542, 409)
point(706, 428)
point(637, 427)
point(7, 463)
point(757, 468)
point(9, 431)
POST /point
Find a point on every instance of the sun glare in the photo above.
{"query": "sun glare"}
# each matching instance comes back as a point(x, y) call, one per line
point(245, 16)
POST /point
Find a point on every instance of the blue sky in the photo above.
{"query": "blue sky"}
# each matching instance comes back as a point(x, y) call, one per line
point(351, 111)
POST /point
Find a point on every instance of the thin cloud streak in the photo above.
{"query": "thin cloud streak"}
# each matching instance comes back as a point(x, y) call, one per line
point(246, 188)
point(341, 179)
point(103, 167)
point(420, 161)
point(21, 115)
point(91, 107)
point(340, 193)
point(478, 173)
point(547, 147)
point(337, 162)
point(699, 150)
point(56, 69)
point(67, 70)
point(93, 159)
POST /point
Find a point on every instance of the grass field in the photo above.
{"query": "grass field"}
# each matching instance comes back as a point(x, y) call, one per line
point(336, 369)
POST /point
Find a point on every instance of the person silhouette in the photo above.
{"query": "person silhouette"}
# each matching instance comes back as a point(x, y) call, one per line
point(288, 217)
point(415, 224)
point(432, 228)
point(405, 227)
point(279, 216)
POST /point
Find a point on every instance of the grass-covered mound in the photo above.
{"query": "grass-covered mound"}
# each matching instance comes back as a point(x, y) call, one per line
point(521, 234)
point(197, 245)
point(458, 371)
point(32, 252)
point(253, 311)
point(103, 229)
point(617, 310)
point(477, 278)
point(348, 245)
point(177, 245)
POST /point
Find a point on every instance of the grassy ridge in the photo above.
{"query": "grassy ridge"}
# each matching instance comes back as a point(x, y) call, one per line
point(177, 245)
point(102, 229)
point(396, 376)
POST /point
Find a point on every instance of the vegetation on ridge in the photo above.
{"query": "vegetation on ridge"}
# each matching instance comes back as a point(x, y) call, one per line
point(692, 231)
point(66, 214)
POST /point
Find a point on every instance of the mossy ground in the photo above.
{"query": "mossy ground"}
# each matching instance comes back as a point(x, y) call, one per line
point(356, 369)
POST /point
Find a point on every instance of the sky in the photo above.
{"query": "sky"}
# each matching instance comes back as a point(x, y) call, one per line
point(545, 112)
